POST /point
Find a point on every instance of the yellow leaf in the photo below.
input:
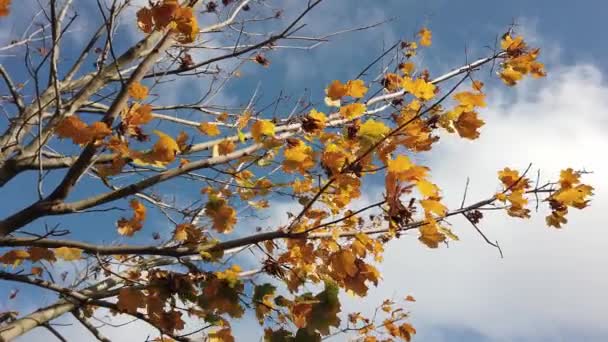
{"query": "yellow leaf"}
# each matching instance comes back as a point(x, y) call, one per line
point(373, 130)
point(314, 122)
point(298, 156)
point(568, 178)
point(68, 254)
point(425, 37)
point(138, 91)
point(470, 100)
point(209, 129)
point(427, 189)
point(400, 164)
point(419, 88)
point(510, 76)
point(356, 89)
point(162, 153)
point(433, 207)
point(407, 68)
point(430, 235)
point(353, 110)
point(262, 128)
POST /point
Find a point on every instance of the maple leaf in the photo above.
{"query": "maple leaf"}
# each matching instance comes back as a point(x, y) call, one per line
point(427, 189)
point(430, 235)
point(14, 257)
point(68, 254)
point(223, 215)
point(226, 147)
point(209, 129)
point(470, 100)
point(314, 122)
point(163, 152)
point(352, 110)
point(425, 37)
point(419, 88)
point(138, 91)
point(144, 20)
point(130, 226)
point(356, 88)
point(261, 300)
point(407, 68)
point(510, 76)
point(400, 164)
point(336, 90)
point(373, 130)
point(575, 196)
point(222, 335)
point(298, 156)
point(40, 253)
point(81, 133)
point(262, 128)
point(5, 7)
point(467, 125)
point(568, 178)
point(130, 299)
point(432, 206)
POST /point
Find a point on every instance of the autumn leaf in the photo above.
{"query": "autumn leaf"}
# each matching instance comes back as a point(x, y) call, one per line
point(138, 91)
point(5, 7)
point(163, 152)
point(430, 235)
point(298, 156)
point(222, 214)
point(425, 37)
point(81, 133)
point(468, 124)
point(432, 206)
point(314, 122)
point(226, 147)
point(14, 257)
point(130, 299)
point(407, 68)
point(68, 254)
point(510, 76)
point(400, 164)
point(419, 88)
point(209, 129)
point(373, 130)
point(352, 110)
point(40, 253)
point(262, 128)
point(469, 100)
point(128, 227)
point(222, 335)
point(427, 189)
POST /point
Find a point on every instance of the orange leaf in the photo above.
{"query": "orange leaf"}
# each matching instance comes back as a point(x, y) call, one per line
point(68, 254)
point(209, 129)
point(138, 91)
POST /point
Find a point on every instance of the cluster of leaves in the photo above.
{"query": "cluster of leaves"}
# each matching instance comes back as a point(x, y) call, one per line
point(323, 163)
point(5, 7)
point(520, 60)
point(169, 14)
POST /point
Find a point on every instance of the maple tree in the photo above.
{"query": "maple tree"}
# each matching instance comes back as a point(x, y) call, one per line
point(95, 125)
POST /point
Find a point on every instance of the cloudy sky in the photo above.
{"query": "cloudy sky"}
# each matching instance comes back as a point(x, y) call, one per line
point(551, 284)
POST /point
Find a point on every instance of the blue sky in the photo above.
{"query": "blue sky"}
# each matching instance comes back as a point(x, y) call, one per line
point(550, 285)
